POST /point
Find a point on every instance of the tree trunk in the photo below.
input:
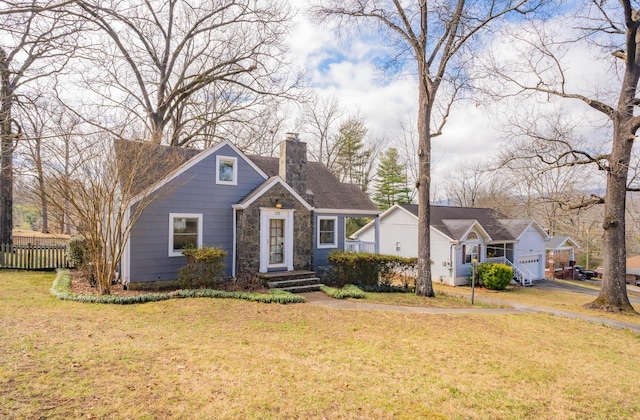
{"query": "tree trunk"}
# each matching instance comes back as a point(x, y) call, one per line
point(6, 154)
point(424, 287)
point(44, 213)
point(613, 292)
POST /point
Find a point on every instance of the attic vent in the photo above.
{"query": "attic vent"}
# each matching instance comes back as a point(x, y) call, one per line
point(472, 237)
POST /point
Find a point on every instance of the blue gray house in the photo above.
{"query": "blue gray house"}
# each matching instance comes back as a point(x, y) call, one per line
point(270, 214)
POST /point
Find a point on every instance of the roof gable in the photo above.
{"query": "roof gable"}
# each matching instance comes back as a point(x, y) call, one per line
point(328, 192)
point(460, 228)
point(189, 158)
point(387, 212)
point(557, 243)
point(517, 227)
point(266, 186)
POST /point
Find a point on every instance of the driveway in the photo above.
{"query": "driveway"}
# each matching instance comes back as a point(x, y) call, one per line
point(321, 299)
point(632, 291)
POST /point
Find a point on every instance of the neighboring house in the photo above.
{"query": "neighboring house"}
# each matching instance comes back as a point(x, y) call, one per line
point(269, 214)
point(459, 235)
point(633, 270)
point(560, 255)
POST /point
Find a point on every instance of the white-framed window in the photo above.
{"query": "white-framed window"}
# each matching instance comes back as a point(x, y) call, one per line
point(185, 231)
point(327, 232)
point(397, 246)
point(472, 254)
point(226, 170)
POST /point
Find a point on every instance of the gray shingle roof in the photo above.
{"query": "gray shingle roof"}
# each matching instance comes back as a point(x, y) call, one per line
point(328, 191)
point(452, 221)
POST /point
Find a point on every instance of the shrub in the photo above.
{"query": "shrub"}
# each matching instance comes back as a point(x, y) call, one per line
point(348, 291)
point(77, 252)
point(497, 276)
point(367, 269)
point(204, 267)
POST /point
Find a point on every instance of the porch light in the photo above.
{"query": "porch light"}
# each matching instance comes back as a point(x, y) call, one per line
point(278, 204)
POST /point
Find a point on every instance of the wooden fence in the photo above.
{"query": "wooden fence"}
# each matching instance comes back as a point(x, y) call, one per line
point(40, 240)
point(33, 257)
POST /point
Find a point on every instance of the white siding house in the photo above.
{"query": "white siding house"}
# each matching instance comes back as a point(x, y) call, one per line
point(460, 235)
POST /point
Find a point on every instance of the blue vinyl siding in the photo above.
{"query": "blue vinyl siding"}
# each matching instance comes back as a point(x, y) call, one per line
point(320, 255)
point(196, 192)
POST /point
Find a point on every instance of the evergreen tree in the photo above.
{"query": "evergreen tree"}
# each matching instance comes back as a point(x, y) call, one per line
point(391, 184)
point(352, 157)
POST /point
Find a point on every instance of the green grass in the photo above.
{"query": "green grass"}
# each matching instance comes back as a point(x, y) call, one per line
point(226, 358)
point(441, 300)
point(561, 300)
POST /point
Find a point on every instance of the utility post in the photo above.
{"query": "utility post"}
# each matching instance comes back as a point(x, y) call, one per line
point(473, 279)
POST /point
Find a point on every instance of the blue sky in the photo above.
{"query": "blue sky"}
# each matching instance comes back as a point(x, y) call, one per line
point(347, 71)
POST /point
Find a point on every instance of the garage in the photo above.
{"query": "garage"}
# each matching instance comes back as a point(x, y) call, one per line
point(533, 264)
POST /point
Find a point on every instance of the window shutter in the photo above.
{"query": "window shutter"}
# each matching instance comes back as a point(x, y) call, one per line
point(464, 254)
point(479, 253)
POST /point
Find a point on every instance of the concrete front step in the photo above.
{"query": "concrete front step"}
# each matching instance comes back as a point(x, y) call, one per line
point(297, 285)
point(287, 275)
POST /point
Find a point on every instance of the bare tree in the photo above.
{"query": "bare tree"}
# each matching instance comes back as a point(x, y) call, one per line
point(319, 119)
point(432, 36)
point(34, 47)
point(185, 68)
point(261, 133)
point(612, 28)
point(107, 194)
point(466, 183)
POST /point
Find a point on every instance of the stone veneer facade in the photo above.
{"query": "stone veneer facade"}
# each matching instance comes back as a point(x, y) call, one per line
point(248, 231)
point(293, 164)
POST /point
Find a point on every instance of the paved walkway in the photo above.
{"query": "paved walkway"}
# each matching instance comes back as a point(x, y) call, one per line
point(321, 299)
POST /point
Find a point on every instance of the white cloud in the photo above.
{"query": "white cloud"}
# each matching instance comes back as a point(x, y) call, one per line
point(347, 72)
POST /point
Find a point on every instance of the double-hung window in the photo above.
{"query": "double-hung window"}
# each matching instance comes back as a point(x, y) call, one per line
point(185, 231)
point(327, 232)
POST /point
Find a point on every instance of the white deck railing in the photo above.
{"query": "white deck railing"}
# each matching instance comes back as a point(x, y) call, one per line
point(360, 246)
point(524, 276)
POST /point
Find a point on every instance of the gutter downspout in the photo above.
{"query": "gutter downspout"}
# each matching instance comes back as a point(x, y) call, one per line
point(377, 234)
point(233, 246)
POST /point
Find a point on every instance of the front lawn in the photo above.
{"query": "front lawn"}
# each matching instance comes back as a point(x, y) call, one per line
point(226, 358)
point(562, 300)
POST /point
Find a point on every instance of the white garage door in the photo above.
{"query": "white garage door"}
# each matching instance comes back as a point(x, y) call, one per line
point(532, 263)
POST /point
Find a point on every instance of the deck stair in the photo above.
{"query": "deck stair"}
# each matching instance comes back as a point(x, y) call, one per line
point(298, 281)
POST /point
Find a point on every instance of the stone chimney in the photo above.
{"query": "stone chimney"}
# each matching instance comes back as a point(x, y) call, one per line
point(293, 163)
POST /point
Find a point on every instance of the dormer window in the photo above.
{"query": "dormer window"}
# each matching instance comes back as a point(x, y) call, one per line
point(227, 170)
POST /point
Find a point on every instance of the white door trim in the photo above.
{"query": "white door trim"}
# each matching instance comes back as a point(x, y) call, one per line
point(267, 214)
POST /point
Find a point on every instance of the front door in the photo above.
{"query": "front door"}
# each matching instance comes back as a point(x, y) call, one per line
point(276, 242)
point(276, 239)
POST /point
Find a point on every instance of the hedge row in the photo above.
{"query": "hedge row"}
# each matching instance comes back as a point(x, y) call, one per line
point(61, 289)
point(368, 269)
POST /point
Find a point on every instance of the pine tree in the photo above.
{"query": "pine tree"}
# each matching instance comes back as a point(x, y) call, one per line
point(352, 157)
point(391, 184)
